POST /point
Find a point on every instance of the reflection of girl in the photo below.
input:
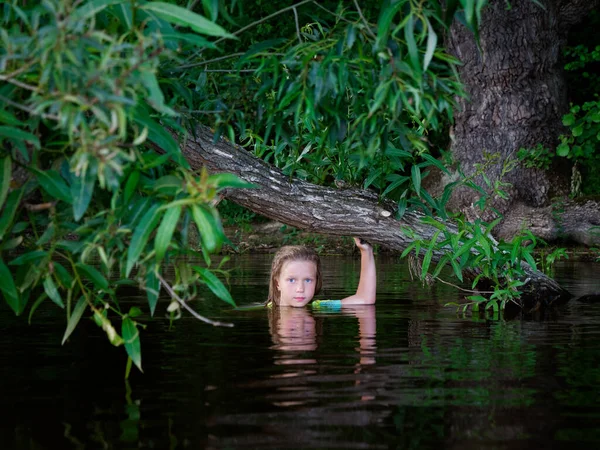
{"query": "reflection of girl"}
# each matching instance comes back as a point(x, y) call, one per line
point(296, 277)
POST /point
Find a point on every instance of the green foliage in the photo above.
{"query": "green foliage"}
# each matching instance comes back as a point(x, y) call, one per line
point(94, 190)
point(346, 95)
point(538, 157)
point(88, 203)
point(547, 261)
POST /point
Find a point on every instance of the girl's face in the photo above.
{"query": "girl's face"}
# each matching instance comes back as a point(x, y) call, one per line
point(296, 283)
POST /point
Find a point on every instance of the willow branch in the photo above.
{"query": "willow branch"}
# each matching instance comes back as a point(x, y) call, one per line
point(364, 20)
point(174, 296)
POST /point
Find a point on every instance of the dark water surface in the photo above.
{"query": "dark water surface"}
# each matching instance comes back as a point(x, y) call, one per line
point(406, 373)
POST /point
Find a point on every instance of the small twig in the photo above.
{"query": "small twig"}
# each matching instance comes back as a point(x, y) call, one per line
point(27, 110)
point(230, 71)
point(19, 83)
point(186, 306)
point(258, 22)
point(210, 61)
point(364, 20)
point(40, 206)
point(264, 19)
point(338, 16)
point(462, 289)
point(297, 26)
point(200, 111)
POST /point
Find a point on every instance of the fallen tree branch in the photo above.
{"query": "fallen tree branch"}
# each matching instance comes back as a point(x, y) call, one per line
point(342, 212)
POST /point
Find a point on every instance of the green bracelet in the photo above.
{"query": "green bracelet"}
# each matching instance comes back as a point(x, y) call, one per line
point(329, 305)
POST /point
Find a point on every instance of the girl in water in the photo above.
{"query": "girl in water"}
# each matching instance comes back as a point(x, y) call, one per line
point(296, 278)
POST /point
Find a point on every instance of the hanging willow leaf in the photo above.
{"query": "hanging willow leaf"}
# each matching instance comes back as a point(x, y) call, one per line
point(82, 188)
point(8, 214)
point(93, 274)
point(5, 177)
point(416, 179)
point(141, 235)
point(182, 16)
point(131, 336)
point(75, 317)
point(8, 288)
point(164, 234)
point(214, 284)
point(91, 8)
point(206, 227)
point(226, 180)
point(54, 185)
point(19, 135)
point(52, 292)
point(152, 291)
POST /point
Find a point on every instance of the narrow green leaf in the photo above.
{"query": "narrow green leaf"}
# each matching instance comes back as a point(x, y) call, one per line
point(82, 188)
point(434, 162)
point(75, 317)
point(28, 258)
point(407, 250)
point(52, 292)
point(431, 45)
point(515, 250)
point(36, 305)
point(426, 263)
point(156, 97)
point(8, 214)
point(457, 269)
point(5, 177)
point(440, 265)
point(10, 119)
point(156, 133)
point(214, 284)
point(206, 227)
point(141, 235)
point(134, 311)
point(211, 8)
point(93, 275)
point(429, 254)
point(131, 336)
point(130, 186)
point(491, 226)
point(385, 20)
point(485, 245)
point(228, 180)
point(91, 8)
point(467, 246)
point(182, 16)
point(168, 184)
point(164, 234)
point(152, 290)
point(413, 51)
point(416, 179)
point(529, 259)
point(19, 135)
point(63, 276)
point(54, 185)
point(11, 243)
point(433, 222)
point(8, 288)
point(197, 41)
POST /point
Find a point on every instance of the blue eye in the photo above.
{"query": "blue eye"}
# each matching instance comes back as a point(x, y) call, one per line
point(292, 280)
point(309, 280)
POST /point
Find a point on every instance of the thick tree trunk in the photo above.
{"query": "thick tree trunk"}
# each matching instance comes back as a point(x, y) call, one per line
point(516, 96)
point(349, 212)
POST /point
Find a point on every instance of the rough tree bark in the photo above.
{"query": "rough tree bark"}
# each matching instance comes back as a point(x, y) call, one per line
point(346, 212)
point(516, 98)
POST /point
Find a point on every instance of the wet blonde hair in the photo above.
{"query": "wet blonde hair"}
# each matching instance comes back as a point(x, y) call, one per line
point(287, 254)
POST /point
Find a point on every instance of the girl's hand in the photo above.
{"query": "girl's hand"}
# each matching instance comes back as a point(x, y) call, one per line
point(364, 246)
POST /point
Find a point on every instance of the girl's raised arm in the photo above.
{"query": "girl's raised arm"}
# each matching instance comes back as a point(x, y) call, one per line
point(367, 285)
